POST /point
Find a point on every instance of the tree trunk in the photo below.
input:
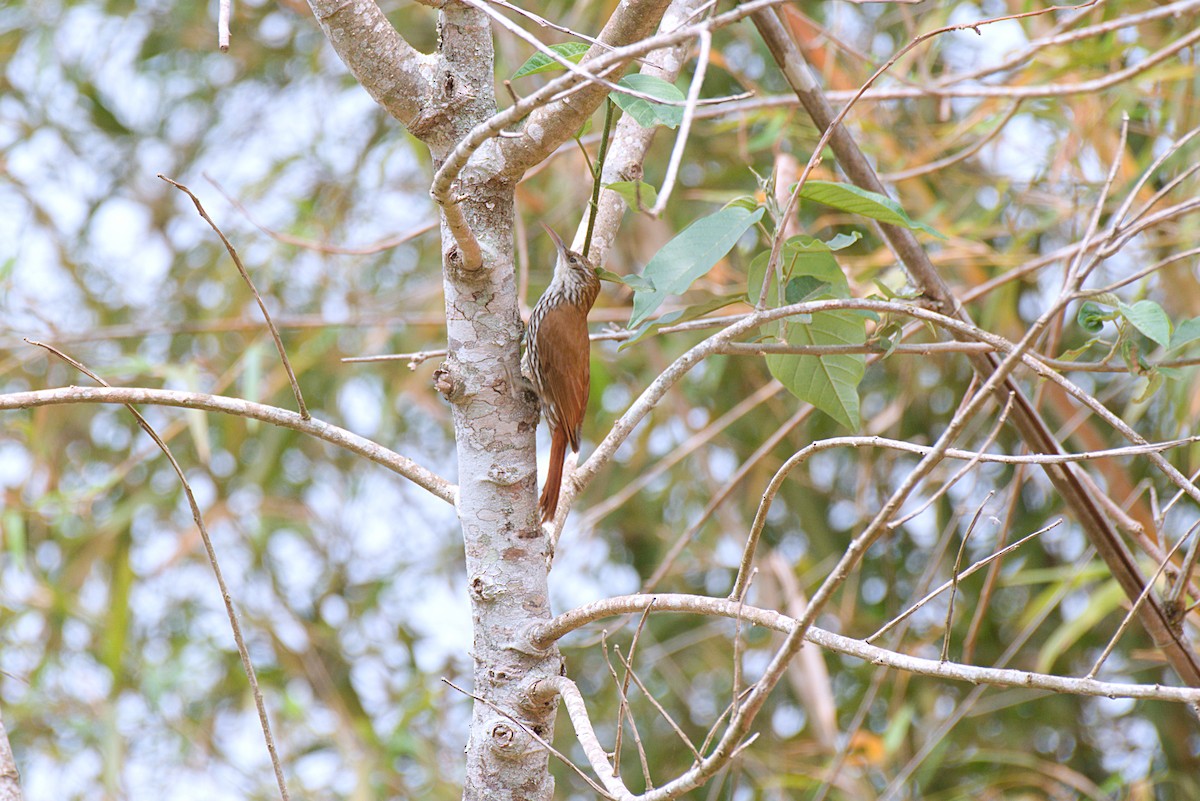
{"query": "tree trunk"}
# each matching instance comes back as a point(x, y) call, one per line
point(495, 422)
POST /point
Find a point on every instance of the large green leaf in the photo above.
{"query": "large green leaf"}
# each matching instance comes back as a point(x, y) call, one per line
point(691, 254)
point(1149, 318)
point(647, 113)
point(828, 382)
point(810, 272)
point(541, 62)
point(863, 203)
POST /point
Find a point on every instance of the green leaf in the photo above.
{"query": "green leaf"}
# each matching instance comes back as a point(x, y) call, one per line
point(803, 256)
point(1075, 353)
point(1131, 354)
point(828, 382)
point(891, 294)
point(646, 113)
point(633, 191)
point(1149, 318)
point(679, 316)
point(804, 287)
point(638, 284)
point(1091, 318)
point(747, 202)
point(540, 62)
point(610, 276)
point(1186, 332)
point(842, 241)
point(1170, 373)
point(864, 203)
point(691, 254)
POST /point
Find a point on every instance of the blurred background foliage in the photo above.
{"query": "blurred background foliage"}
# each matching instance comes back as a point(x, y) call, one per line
point(120, 678)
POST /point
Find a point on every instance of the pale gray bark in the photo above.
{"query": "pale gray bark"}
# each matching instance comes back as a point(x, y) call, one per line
point(10, 777)
point(440, 98)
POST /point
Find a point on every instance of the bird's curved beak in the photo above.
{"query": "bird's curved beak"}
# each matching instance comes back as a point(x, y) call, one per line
point(558, 243)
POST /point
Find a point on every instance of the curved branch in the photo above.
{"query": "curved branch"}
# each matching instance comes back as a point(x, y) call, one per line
point(516, 154)
point(546, 633)
point(392, 71)
point(630, 141)
point(631, 21)
point(421, 476)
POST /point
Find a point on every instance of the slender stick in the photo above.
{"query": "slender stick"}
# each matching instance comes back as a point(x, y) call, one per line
point(237, 260)
point(597, 172)
point(243, 651)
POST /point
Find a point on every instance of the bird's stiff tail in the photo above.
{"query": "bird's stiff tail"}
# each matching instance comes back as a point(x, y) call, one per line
point(548, 503)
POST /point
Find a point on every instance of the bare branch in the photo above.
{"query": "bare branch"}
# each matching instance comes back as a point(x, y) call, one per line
point(532, 734)
point(395, 74)
point(549, 126)
point(283, 418)
point(679, 732)
point(685, 127)
point(982, 563)
point(767, 618)
point(1162, 565)
point(323, 247)
point(237, 260)
point(226, 596)
point(955, 575)
point(223, 25)
point(1030, 424)
point(10, 777)
point(584, 731)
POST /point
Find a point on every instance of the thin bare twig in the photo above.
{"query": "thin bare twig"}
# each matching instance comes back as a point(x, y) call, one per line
point(1162, 565)
point(239, 640)
point(737, 645)
point(962, 155)
point(623, 714)
point(633, 644)
point(685, 127)
point(322, 247)
point(223, 25)
point(659, 707)
point(982, 563)
point(402, 465)
point(1018, 643)
point(698, 440)
point(304, 415)
point(550, 631)
point(954, 576)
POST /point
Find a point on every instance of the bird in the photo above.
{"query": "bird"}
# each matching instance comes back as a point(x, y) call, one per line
point(557, 359)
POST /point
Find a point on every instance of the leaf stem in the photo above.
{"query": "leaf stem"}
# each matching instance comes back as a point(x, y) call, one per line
point(597, 173)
